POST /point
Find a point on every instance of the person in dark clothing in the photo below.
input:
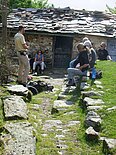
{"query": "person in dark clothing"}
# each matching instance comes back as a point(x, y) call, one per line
point(81, 64)
point(102, 53)
point(91, 53)
point(73, 63)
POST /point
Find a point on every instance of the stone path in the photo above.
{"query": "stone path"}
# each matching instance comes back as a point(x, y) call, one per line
point(57, 135)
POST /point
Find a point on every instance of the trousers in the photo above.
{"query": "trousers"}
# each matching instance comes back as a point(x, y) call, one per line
point(75, 72)
point(24, 67)
point(42, 65)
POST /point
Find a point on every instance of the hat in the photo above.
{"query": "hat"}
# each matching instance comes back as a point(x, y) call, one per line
point(85, 39)
point(87, 43)
point(103, 44)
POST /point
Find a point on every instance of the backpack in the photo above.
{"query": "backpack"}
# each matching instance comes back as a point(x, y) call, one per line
point(98, 74)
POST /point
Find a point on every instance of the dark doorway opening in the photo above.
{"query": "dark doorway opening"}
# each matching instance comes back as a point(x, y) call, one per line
point(62, 51)
point(111, 47)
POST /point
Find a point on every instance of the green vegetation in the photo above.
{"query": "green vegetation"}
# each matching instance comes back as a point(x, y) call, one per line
point(75, 139)
point(29, 4)
point(112, 10)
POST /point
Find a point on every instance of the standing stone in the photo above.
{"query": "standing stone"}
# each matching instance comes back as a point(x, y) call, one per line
point(94, 120)
point(91, 134)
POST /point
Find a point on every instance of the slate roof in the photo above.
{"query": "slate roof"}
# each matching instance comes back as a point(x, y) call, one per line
point(64, 20)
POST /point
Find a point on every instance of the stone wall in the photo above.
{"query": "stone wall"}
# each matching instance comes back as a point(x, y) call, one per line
point(40, 42)
point(45, 43)
point(35, 42)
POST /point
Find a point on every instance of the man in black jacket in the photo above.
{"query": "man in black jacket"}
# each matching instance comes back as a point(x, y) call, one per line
point(81, 64)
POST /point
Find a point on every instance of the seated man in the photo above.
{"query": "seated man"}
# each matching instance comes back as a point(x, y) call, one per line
point(87, 43)
point(83, 62)
point(39, 60)
point(102, 53)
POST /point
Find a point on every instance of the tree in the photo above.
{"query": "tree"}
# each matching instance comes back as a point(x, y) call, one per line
point(19, 4)
point(4, 64)
point(40, 4)
point(112, 10)
point(28, 4)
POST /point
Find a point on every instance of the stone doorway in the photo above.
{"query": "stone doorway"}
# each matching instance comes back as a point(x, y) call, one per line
point(62, 51)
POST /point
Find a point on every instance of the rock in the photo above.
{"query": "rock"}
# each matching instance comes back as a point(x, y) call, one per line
point(70, 113)
point(109, 146)
point(94, 120)
point(50, 124)
point(61, 96)
point(92, 102)
point(99, 86)
point(94, 108)
point(97, 82)
point(60, 105)
point(18, 90)
point(14, 106)
point(72, 123)
point(90, 93)
point(19, 135)
point(111, 109)
point(91, 134)
point(84, 86)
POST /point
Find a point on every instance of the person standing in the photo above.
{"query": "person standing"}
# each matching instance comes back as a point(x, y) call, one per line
point(21, 48)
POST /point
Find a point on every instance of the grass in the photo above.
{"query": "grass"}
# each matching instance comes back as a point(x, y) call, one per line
point(75, 139)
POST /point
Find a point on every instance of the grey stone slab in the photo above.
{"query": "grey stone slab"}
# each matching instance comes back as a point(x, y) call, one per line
point(61, 96)
point(72, 123)
point(62, 103)
point(94, 120)
point(19, 140)
point(109, 146)
point(112, 108)
point(50, 124)
point(91, 134)
point(14, 106)
point(18, 89)
point(92, 102)
point(94, 108)
point(90, 94)
point(97, 82)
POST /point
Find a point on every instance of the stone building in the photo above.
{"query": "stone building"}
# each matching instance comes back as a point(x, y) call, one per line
point(57, 31)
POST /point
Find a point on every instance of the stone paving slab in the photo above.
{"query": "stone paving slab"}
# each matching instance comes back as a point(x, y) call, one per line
point(14, 106)
point(18, 89)
point(62, 103)
point(19, 140)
